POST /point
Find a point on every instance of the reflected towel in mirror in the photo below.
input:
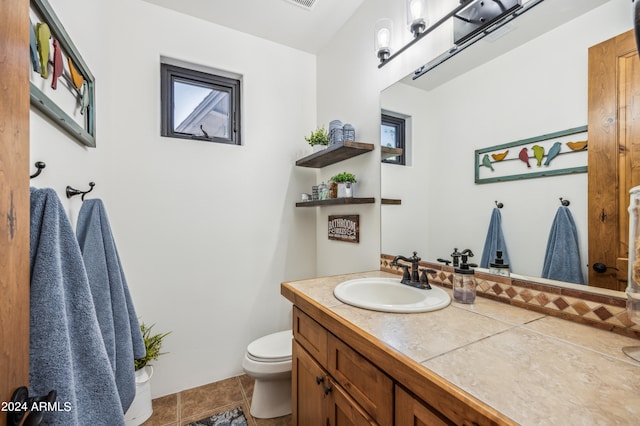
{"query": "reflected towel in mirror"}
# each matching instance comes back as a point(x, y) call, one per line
point(494, 241)
point(562, 258)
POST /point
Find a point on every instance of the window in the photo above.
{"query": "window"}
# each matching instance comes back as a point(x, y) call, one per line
point(199, 105)
point(392, 136)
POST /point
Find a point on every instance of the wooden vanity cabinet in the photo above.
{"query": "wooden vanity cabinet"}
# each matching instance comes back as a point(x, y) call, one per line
point(332, 384)
point(341, 377)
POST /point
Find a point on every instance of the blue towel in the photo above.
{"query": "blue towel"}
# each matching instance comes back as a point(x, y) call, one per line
point(562, 258)
point(66, 349)
point(114, 307)
point(494, 241)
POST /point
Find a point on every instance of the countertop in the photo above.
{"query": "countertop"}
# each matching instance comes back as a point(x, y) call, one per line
point(533, 368)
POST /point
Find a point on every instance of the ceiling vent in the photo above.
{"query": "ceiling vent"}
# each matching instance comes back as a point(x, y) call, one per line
point(307, 4)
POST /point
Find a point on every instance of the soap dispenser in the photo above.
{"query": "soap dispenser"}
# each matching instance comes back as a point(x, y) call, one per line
point(498, 267)
point(464, 283)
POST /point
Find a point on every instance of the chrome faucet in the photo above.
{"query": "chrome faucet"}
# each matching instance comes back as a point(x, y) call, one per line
point(413, 279)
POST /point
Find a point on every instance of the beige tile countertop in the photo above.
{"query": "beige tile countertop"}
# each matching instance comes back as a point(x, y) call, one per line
point(533, 368)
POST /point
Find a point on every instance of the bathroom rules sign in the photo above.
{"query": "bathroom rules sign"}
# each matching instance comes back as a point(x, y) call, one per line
point(345, 228)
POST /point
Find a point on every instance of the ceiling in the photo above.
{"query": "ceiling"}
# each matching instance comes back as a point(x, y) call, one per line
point(277, 20)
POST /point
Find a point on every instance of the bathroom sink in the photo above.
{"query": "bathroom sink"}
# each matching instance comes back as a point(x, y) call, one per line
point(390, 295)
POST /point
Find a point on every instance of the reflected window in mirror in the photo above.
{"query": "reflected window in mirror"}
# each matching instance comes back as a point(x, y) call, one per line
point(393, 138)
point(200, 105)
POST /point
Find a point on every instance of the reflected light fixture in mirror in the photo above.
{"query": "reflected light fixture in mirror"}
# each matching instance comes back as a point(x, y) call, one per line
point(416, 16)
point(382, 38)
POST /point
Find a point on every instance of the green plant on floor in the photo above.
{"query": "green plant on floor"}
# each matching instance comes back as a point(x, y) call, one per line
point(152, 343)
point(318, 137)
point(344, 177)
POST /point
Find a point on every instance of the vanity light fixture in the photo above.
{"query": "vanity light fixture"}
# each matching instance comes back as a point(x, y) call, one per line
point(416, 16)
point(472, 21)
point(382, 38)
point(417, 36)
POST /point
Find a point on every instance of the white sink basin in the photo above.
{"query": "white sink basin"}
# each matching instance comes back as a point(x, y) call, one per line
point(390, 295)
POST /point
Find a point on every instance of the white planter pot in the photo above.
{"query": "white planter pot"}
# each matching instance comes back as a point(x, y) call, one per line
point(318, 148)
point(141, 409)
point(346, 189)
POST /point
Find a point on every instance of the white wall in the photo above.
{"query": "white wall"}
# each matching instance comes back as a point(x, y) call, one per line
point(206, 231)
point(347, 90)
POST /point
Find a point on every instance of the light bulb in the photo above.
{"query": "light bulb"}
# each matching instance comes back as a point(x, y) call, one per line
point(384, 36)
point(417, 8)
point(382, 33)
point(416, 11)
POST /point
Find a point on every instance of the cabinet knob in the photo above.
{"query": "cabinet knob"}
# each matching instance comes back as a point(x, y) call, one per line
point(327, 390)
point(319, 379)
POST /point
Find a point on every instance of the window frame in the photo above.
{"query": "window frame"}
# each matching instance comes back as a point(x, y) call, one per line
point(400, 126)
point(170, 73)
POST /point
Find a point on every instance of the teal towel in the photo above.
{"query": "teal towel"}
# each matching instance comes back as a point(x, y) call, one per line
point(494, 241)
point(114, 306)
point(66, 349)
point(562, 258)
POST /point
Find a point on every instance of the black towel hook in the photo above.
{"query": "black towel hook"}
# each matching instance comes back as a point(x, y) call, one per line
point(499, 205)
point(72, 191)
point(39, 165)
point(565, 202)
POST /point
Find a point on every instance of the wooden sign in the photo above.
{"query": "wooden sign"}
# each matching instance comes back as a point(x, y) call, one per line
point(345, 228)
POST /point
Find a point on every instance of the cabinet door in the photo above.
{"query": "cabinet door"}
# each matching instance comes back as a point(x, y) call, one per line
point(311, 335)
point(343, 411)
point(307, 396)
point(367, 385)
point(412, 412)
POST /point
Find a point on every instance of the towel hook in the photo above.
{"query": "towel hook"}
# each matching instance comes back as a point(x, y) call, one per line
point(72, 191)
point(499, 205)
point(565, 202)
point(39, 165)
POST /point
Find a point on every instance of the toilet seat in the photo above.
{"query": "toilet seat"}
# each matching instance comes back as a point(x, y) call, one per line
point(274, 347)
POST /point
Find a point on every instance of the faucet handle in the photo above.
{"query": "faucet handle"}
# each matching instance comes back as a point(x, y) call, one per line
point(424, 280)
point(406, 276)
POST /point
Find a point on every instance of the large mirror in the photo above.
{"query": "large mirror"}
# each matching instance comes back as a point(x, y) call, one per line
point(525, 84)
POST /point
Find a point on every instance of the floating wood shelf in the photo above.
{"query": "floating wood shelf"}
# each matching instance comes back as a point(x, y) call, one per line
point(387, 152)
point(336, 202)
point(334, 154)
point(391, 201)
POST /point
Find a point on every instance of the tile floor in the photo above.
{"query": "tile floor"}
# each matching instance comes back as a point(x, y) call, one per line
point(181, 408)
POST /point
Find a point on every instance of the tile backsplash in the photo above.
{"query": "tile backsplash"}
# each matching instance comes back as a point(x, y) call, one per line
point(601, 310)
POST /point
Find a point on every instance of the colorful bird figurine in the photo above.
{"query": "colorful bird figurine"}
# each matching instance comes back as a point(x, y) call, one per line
point(84, 101)
point(553, 153)
point(43, 33)
point(538, 152)
point(33, 48)
point(76, 77)
point(500, 157)
point(524, 156)
point(577, 146)
point(487, 162)
point(58, 67)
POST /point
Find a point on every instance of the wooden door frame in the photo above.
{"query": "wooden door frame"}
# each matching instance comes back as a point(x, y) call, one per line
point(14, 197)
point(607, 208)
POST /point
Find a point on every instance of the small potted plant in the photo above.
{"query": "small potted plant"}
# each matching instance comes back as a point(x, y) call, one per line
point(318, 139)
point(141, 409)
point(346, 183)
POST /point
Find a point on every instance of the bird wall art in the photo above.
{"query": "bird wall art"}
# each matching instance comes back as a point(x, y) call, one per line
point(533, 157)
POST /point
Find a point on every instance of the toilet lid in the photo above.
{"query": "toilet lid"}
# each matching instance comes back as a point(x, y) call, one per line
point(273, 347)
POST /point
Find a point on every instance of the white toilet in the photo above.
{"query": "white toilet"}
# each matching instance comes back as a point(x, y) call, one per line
point(268, 361)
